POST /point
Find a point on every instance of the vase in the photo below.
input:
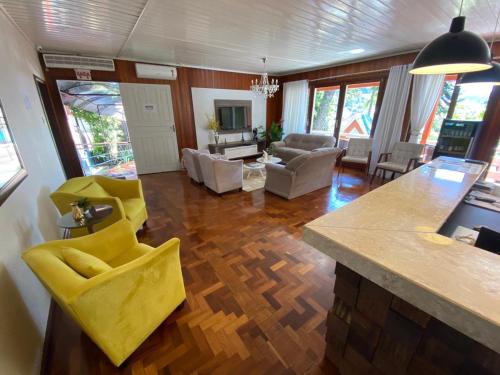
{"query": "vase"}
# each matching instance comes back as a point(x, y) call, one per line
point(216, 136)
point(76, 212)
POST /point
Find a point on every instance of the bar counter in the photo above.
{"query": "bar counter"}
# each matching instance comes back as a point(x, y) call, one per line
point(407, 299)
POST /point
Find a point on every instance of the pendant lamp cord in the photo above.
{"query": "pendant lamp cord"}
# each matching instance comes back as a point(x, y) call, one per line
point(494, 33)
point(461, 5)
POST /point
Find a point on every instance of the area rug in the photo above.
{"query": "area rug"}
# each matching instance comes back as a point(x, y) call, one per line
point(253, 181)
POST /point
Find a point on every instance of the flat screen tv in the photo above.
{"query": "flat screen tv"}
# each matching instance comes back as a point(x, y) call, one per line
point(233, 115)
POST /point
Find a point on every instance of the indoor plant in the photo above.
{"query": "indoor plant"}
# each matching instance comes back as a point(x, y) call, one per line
point(213, 125)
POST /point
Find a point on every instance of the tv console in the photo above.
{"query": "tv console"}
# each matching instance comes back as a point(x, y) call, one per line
point(237, 150)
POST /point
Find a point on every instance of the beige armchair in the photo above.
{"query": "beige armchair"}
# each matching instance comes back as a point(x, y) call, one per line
point(221, 175)
point(402, 159)
point(303, 174)
point(358, 153)
point(190, 159)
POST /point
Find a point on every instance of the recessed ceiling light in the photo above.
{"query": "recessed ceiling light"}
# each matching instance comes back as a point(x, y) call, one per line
point(356, 51)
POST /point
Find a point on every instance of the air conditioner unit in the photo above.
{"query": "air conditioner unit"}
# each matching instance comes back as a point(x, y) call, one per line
point(155, 71)
point(78, 62)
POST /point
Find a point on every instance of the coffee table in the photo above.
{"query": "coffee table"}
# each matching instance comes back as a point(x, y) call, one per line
point(272, 160)
point(254, 168)
point(66, 221)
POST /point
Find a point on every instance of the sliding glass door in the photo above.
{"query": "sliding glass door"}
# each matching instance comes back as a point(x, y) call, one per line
point(345, 111)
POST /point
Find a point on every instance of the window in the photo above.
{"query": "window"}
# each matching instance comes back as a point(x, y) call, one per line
point(494, 170)
point(470, 104)
point(12, 172)
point(359, 109)
point(431, 130)
point(324, 117)
point(346, 110)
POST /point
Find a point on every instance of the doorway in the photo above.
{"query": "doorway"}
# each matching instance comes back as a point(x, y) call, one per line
point(98, 127)
point(150, 119)
point(347, 110)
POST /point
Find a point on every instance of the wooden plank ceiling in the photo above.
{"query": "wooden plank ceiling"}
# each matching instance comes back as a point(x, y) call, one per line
point(234, 34)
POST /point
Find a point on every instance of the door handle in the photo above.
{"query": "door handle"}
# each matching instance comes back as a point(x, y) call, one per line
point(173, 128)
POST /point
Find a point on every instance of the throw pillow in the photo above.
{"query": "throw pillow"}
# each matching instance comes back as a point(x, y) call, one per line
point(85, 264)
point(297, 162)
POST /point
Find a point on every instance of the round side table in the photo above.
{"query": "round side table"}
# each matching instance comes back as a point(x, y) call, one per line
point(66, 221)
point(254, 168)
point(272, 160)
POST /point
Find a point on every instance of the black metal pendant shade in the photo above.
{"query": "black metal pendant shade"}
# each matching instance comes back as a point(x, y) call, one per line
point(490, 76)
point(457, 51)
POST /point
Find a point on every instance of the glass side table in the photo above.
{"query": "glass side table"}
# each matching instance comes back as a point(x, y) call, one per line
point(66, 221)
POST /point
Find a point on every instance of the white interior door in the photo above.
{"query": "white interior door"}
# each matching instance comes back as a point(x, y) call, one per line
point(150, 121)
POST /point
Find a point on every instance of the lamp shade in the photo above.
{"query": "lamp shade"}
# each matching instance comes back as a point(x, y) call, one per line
point(457, 51)
point(490, 76)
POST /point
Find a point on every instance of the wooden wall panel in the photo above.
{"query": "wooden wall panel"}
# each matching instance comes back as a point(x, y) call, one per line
point(352, 69)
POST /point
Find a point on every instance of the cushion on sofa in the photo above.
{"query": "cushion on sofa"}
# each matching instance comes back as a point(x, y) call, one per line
point(297, 161)
point(85, 264)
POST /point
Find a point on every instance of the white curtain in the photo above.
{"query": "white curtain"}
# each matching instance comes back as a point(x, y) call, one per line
point(392, 111)
point(295, 102)
point(424, 94)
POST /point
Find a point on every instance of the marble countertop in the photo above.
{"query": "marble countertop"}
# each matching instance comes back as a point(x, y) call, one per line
point(390, 237)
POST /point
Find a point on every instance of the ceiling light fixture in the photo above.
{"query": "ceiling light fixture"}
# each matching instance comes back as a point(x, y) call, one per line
point(263, 87)
point(457, 51)
point(356, 51)
point(490, 77)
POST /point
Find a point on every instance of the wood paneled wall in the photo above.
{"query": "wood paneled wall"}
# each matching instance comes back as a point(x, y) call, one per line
point(181, 98)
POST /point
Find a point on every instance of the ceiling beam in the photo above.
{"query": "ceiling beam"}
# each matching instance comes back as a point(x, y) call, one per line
point(146, 5)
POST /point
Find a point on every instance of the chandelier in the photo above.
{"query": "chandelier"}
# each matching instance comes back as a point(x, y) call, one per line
point(263, 87)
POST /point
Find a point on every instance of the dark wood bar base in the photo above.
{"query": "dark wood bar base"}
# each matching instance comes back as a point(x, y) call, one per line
point(371, 331)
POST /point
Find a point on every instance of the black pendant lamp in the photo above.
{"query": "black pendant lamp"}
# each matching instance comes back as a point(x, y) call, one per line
point(487, 77)
point(457, 51)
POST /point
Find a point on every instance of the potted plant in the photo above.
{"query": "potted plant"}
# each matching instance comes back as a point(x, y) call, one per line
point(273, 134)
point(213, 125)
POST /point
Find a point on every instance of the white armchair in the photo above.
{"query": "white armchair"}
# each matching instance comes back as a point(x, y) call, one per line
point(221, 175)
point(402, 159)
point(358, 153)
point(190, 159)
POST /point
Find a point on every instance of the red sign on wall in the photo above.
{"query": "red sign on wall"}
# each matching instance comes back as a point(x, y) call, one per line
point(83, 75)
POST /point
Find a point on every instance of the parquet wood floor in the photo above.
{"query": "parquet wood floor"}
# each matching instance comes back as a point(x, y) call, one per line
point(257, 296)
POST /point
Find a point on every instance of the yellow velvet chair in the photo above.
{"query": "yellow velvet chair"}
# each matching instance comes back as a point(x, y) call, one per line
point(125, 196)
point(118, 308)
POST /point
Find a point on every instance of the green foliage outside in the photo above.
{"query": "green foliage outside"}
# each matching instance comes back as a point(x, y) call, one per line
point(471, 105)
point(103, 129)
point(358, 100)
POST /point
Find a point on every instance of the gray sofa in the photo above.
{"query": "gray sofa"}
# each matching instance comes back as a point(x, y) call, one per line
point(299, 144)
point(303, 174)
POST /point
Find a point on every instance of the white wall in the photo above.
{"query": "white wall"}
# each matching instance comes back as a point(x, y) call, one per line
point(28, 216)
point(203, 105)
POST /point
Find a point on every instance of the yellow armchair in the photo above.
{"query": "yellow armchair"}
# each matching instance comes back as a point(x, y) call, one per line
point(120, 307)
point(125, 196)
